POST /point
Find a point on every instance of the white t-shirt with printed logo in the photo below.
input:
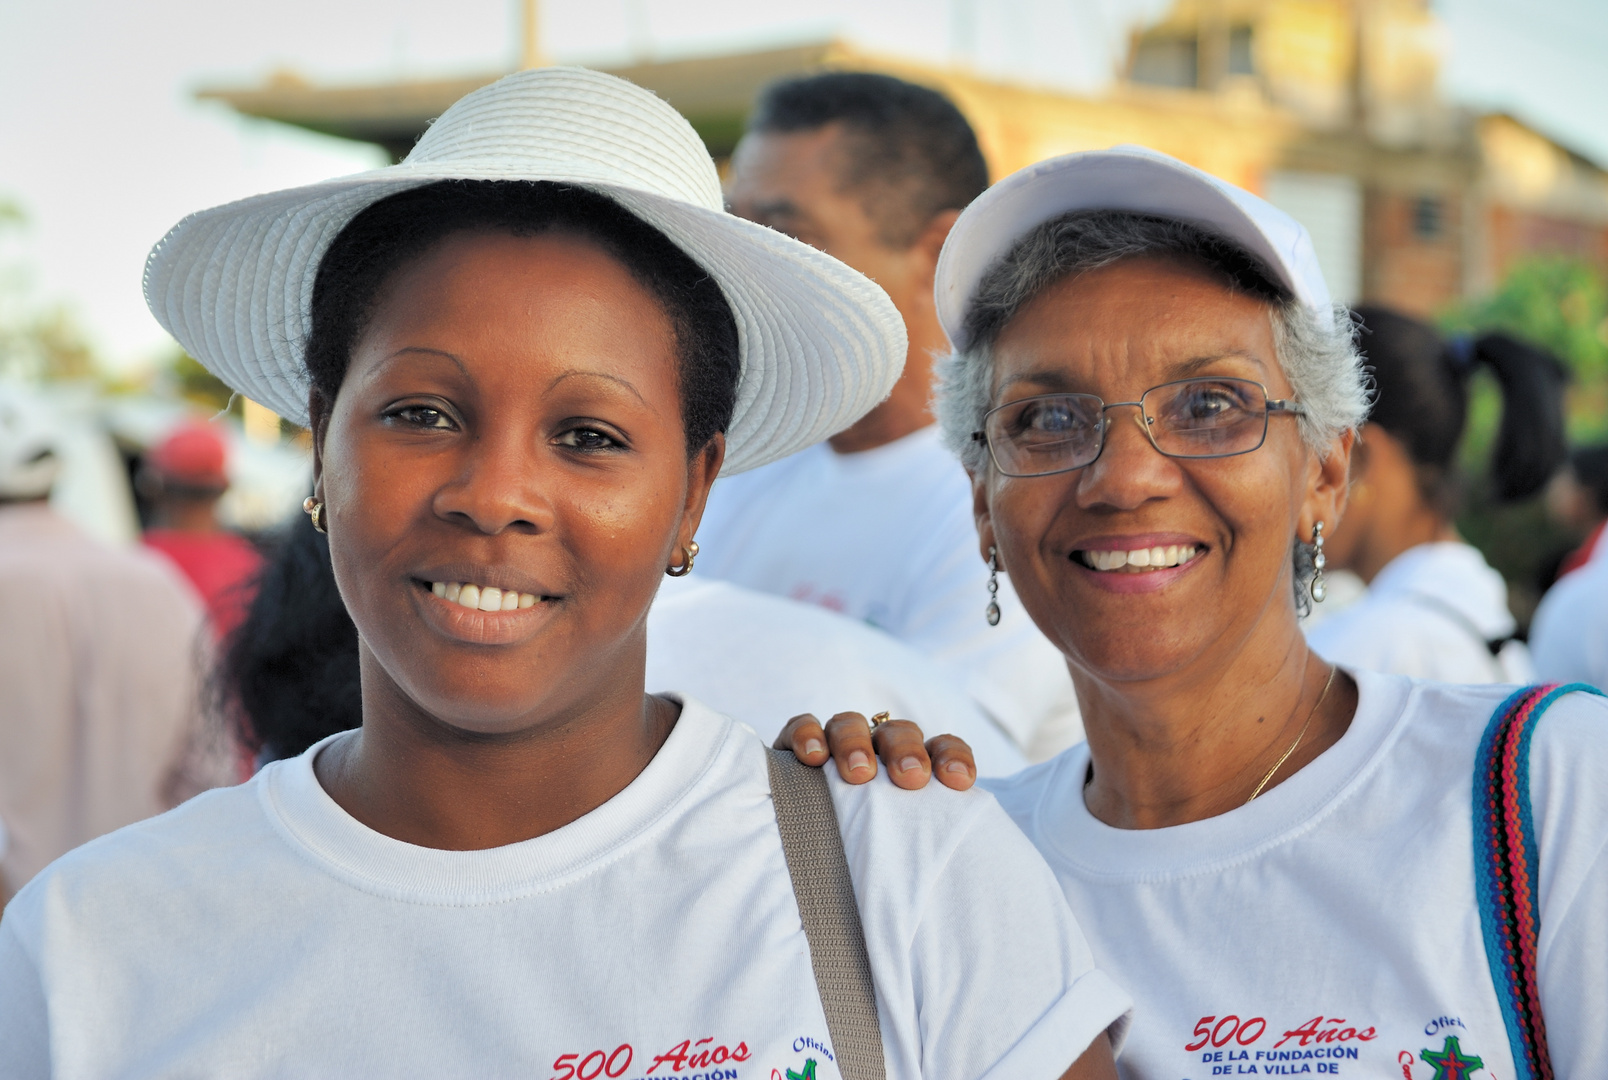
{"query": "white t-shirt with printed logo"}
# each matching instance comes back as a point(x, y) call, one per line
point(260, 931)
point(1330, 927)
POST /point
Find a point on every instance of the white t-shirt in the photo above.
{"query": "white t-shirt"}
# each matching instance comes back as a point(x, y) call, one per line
point(764, 659)
point(1330, 926)
point(886, 536)
point(260, 931)
point(1569, 635)
point(1430, 614)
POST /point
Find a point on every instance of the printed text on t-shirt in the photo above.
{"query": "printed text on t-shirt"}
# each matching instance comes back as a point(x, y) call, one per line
point(1228, 1044)
point(612, 1065)
point(1218, 1032)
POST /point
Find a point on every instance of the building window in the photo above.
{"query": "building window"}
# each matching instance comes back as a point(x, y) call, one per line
point(1429, 217)
point(1166, 61)
point(1240, 60)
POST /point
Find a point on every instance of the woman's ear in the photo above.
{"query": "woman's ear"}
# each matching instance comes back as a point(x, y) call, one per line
point(1328, 486)
point(1360, 456)
point(702, 469)
point(982, 513)
point(318, 421)
point(931, 241)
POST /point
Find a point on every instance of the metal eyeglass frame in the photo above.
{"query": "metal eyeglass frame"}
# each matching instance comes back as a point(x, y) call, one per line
point(1273, 405)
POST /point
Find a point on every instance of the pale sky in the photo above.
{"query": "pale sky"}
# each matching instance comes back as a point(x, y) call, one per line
point(103, 145)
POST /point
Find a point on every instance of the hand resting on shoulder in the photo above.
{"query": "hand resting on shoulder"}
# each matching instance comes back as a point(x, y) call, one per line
point(910, 760)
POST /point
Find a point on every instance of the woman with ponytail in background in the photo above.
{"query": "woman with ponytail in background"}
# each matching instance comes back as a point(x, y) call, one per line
point(1434, 608)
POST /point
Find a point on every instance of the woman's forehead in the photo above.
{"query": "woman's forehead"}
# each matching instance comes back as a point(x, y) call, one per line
point(490, 280)
point(499, 306)
point(1141, 319)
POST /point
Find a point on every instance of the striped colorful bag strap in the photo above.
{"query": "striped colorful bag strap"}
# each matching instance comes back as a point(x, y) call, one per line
point(1506, 863)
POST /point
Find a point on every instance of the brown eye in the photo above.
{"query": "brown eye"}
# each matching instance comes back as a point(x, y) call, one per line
point(1049, 418)
point(588, 439)
point(422, 416)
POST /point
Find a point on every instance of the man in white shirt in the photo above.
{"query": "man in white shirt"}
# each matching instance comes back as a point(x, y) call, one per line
point(877, 523)
point(99, 716)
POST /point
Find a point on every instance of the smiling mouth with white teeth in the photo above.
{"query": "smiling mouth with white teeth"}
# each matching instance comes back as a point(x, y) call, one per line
point(484, 597)
point(1140, 560)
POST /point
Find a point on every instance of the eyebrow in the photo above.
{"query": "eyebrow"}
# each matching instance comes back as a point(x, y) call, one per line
point(573, 372)
point(1056, 381)
point(427, 351)
point(1191, 366)
point(785, 209)
point(1053, 378)
point(579, 373)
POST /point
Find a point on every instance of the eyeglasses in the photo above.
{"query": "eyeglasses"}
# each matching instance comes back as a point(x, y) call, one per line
point(1191, 418)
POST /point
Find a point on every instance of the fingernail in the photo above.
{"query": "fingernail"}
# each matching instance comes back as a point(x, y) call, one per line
point(813, 746)
point(909, 764)
point(957, 767)
point(858, 761)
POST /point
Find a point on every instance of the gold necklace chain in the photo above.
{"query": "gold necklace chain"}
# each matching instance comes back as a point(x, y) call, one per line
point(1301, 735)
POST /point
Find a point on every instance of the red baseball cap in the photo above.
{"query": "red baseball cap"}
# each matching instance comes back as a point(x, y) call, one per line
point(195, 454)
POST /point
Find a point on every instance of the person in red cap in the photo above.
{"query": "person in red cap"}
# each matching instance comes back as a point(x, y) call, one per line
point(184, 476)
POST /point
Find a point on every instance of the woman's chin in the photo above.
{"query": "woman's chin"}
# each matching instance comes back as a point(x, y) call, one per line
point(480, 709)
point(1134, 654)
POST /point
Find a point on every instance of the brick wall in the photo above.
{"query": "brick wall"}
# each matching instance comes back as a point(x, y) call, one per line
point(1412, 250)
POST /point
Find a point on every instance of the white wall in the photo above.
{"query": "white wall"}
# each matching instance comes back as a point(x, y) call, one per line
point(1330, 206)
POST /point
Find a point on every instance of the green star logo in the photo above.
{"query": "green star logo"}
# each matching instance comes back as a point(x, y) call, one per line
point(807, 1074)
point(1450, 1064)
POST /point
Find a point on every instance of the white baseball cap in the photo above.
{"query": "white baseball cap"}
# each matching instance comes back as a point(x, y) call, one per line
point(1132, 178)
point(30, 449)
point(819, 343)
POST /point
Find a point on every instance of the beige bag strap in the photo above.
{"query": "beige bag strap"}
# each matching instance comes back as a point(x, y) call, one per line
point(820, 872)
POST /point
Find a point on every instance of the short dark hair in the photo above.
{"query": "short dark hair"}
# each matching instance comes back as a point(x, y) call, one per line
point(912, 153)
point(402, 227)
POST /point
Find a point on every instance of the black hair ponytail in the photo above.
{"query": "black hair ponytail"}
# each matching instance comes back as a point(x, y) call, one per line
point(1530, 446)
point(1421, 398)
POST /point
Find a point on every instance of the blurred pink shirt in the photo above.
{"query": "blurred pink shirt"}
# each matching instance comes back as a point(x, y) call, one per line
point(100, 662)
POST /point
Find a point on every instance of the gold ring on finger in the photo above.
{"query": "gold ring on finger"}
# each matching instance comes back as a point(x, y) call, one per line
point(879, 719)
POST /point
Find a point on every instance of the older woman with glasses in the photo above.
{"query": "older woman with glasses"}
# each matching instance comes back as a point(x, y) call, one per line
point(1294, 868)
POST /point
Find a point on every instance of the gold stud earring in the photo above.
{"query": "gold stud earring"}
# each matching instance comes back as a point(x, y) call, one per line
point(688, 553)
point(313, 507)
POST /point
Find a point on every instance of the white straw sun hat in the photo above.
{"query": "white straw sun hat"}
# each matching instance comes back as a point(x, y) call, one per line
point(820, 344)
point(1133, 178)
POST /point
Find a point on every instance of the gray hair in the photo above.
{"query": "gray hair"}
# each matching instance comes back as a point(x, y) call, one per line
point(1317, 352)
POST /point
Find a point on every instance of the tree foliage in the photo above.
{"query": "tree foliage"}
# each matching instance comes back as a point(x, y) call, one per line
point(37, 340)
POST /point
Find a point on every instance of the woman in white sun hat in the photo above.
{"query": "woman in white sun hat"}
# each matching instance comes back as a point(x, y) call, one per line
point(1295, 869)
point(525, 354)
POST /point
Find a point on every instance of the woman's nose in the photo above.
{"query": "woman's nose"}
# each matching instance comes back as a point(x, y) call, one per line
point(1130, 470)
point(499, 487)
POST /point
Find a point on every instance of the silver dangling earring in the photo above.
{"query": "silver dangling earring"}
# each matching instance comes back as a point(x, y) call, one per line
point(1318, 589)
point(993, 588)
